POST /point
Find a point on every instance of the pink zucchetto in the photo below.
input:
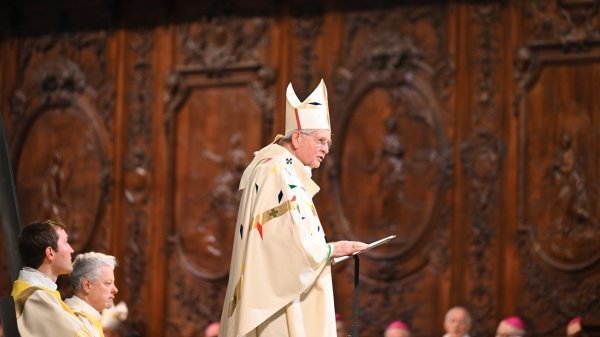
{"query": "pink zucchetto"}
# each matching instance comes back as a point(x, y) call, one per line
point(398, 325)
point(511, 326)
point(397, 329)
point(515, 322)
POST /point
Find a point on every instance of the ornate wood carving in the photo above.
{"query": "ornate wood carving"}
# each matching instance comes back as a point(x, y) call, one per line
point(481, 155)
point(192, 300)
point(138, 167)
point(571, 23)
point(386, 87)
point(57, 112)
point(76, 45)
point(394, 61)
point(205, 72)
point(392, 94)
point(559, 227)
point(217, 43)
point(306, 28)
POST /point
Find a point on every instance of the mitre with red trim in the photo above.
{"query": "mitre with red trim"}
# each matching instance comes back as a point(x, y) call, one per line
point(313, 113)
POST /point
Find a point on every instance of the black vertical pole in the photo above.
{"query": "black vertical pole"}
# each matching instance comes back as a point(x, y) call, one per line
point(9, 213)
point(355, 305)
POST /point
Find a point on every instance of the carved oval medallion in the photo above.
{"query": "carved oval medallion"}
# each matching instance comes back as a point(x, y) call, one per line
point(60, 171)
point(390, 168)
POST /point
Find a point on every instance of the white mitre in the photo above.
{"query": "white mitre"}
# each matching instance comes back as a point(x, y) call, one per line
point(313, 113)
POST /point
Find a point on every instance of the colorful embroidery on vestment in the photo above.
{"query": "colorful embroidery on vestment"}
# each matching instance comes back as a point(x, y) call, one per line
point(279, 196)
point(256, 185)
point(312, 207)
point(292, 186)
point(274, 213)
point(263, 161)
point(288, 161)
point(259, 227)
point(241, 231)
point(237, 294)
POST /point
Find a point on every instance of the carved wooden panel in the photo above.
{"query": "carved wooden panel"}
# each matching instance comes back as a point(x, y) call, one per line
point(61, 139)
point(306, 46)
point(137, 136)
point(138, 177)
point(482, 157)
point(389, 169)
point(219, 110)
point(559, 163)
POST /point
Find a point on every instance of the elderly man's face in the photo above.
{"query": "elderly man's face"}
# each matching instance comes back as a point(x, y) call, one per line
point(457, 322)
point(102, 291)
point(313, 147)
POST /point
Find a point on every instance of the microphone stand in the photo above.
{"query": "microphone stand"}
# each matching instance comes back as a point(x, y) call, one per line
point(355, 304)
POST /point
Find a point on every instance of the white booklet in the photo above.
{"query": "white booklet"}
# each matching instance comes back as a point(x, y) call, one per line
point(370, 246)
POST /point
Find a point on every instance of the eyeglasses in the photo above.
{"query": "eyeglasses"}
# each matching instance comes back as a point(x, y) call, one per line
point(321, 142)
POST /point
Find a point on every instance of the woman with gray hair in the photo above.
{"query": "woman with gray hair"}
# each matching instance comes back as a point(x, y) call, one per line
point(93, 283)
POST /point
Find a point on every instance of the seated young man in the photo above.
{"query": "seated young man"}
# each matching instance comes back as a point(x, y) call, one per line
point(46, 254)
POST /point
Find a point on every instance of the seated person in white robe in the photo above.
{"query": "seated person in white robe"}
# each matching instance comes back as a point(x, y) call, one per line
point(46, 254)
point(93, 283)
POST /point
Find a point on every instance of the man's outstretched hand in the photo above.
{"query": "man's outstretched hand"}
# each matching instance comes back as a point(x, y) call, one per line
point(343, 248)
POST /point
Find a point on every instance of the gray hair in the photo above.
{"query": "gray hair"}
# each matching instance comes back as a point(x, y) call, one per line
point(288, 136)
point(88, 266)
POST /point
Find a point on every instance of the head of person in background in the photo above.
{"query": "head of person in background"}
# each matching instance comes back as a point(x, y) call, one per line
point(397, 329)
point(307, 127)
point(44, 246)
point(340, 325)
point(457, 322)
point(512, 326)
point(93, 283)
point(93, 279)
point(574, 327)
point(212, 329)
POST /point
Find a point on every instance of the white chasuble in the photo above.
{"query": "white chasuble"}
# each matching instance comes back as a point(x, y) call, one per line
point(280, 276)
